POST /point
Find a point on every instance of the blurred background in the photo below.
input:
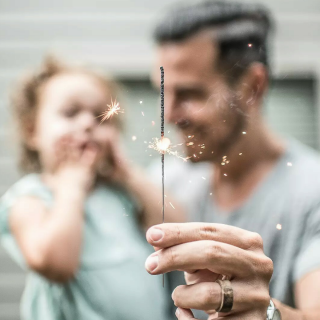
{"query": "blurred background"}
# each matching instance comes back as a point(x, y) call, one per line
point(114, 36)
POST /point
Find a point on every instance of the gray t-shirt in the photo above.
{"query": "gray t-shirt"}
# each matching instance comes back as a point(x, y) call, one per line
point(287, 199)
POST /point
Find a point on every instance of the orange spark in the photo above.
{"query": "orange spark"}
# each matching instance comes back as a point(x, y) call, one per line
point(113, 109)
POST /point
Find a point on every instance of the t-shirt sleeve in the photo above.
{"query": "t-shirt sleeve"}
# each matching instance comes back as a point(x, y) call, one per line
point(308, 259)
point(28, 186)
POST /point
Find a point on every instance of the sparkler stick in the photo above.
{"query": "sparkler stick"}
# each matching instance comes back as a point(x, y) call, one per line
point(162, 136)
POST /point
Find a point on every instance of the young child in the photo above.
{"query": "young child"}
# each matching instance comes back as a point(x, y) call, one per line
point(72, 221)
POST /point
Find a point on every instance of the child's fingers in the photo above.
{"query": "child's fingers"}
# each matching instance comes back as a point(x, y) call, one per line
point(184, 314)
point(73, 150)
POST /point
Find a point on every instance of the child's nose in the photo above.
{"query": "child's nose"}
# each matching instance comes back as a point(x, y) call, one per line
point(87, 121)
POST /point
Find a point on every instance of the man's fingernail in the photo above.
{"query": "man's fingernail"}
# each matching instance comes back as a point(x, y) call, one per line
point(156, 234)
point(173, 293)
point(177, 312)
point(152, 263)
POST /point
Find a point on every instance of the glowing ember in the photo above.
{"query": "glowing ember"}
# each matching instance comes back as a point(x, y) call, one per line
point(250, 45)
point(225, 161)
point(190, 144)
point(113, 109)
point(164, 146)
point(279, 226)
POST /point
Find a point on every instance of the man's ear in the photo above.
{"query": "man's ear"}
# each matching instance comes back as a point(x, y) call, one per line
point(253, 85)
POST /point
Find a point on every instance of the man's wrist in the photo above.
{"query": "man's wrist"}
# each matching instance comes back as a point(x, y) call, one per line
point(272, 312)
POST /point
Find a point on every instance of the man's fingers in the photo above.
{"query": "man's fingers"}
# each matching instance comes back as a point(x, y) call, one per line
point(184, 314)
point(207, 296)
point(170, 234)
point(200, 276)
point(220, 258)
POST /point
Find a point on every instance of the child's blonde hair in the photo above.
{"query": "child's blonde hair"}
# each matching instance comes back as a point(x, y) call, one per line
point(25, 99)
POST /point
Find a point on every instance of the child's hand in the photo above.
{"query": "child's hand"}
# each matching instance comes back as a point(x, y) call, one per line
point(116, 169)
point(76, 165)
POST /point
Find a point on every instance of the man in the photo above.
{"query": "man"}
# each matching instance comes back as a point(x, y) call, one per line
point(216, 66)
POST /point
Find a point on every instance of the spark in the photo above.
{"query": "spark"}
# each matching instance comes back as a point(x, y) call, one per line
point(250, 45)
point(240, 154)
point(141, 101)
point(244, 132)
point(225, 175)
point(289, 164)
point(153, 123)
point(134, 138)
point(142, 113)
point(225, 161)
point(171, 205)
point(211, 194)
point(113, 109)
point(279, 226)
point(190, 144)
point(190, 137)
point(203, 178)
point(164, 146)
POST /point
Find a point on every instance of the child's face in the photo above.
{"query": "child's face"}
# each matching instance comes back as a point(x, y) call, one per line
point(69, 106)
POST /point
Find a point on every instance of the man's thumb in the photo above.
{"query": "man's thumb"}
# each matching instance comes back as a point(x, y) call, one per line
point(184, 314)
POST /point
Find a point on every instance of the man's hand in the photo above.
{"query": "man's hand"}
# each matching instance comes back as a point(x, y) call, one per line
point(206, 251)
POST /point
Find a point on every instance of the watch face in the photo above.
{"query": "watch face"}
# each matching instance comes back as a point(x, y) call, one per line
point(276, 315)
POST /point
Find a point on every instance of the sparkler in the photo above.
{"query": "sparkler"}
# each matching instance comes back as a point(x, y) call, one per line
point(164, 143)
point(113, 109)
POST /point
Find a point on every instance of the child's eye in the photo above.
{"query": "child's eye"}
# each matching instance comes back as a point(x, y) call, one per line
point(69, 113)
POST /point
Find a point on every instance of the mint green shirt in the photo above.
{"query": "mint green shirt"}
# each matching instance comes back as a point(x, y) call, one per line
point(111, 282)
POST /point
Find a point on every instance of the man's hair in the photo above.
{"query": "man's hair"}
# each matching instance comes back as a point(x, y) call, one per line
point(240, 31)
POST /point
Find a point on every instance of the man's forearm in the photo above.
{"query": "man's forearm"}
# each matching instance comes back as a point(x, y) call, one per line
point(288, 313)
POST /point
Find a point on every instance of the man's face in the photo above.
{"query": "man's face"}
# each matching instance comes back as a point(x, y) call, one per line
point(198, 100)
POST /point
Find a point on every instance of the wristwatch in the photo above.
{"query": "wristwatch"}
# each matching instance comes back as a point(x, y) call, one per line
point(273, 313)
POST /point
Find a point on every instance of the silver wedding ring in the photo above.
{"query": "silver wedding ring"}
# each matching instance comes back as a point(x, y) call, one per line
point(226, 296)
